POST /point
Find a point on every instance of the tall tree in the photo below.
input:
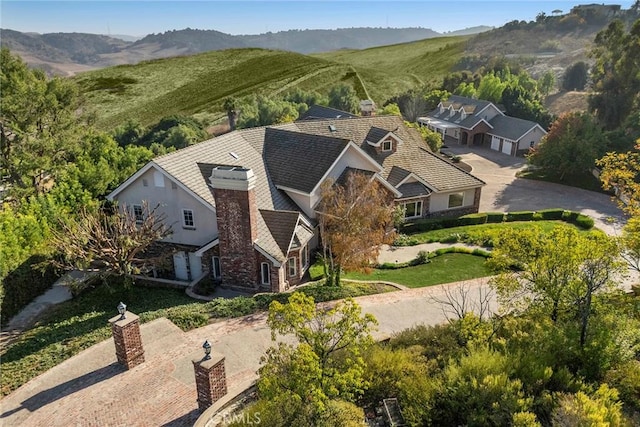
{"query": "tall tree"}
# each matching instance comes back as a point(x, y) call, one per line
point(344, 97)
point(571, 147)
point(326, 362)
point(356, 217)
point(616, 74)
point(38, 125)
point(621, 172)
point(575, 76)
point(232, 112)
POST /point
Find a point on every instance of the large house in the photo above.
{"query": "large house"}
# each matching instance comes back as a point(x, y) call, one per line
point(464, 121)
point(242, 204)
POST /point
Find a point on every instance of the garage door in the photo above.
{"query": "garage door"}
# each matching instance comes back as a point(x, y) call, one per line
point(506, 147)
point(495, 143)
point(180, 266)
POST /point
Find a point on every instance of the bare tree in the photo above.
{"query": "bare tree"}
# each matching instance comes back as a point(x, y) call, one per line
point(458, 301)
point(110, 243)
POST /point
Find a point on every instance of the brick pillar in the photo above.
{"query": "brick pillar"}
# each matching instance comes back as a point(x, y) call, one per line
point(126, 336)
point(211, 380)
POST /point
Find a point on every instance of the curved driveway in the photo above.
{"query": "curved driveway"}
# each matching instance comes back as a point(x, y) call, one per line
point(505, 192)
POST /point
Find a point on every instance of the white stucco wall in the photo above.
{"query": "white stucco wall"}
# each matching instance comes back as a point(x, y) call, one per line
point(172, 201)
point(440, 201)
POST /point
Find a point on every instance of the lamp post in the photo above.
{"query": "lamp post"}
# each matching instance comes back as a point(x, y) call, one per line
point(207, 350)
point(122, 308)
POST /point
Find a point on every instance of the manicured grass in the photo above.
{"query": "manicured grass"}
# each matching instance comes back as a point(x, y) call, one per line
point(481, 234)
point(82, 322)
point(445, 268)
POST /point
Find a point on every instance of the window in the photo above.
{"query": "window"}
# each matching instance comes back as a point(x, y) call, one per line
point(217, 272)
point(304, 254)
point(456, 200)
point(158, 179)
point(386, 145)
point(187, 219)
point(174, 186)
point(413, 209)
point(137, 213)
point(266, 273)
point(145, 183)
point(293, 267)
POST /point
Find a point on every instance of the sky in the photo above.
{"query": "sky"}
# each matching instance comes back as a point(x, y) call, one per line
point(139, 18)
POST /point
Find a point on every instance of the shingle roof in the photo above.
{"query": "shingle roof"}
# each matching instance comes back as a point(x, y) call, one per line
point(510, 127)
point(396, 175)
point(413, 155)
point(282, 225)
point(413, 189)
point(376, 134)
point(299, 160)
point(316, 112)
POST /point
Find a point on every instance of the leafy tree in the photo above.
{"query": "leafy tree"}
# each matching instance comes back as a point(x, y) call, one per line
point(615, 76)
point(571, 147)
point(525, 104)
point(575, 76)
point(355, 217)
point(110, 242)
point(431, 137)
point(631, 243)
point(264, 111)
point(546, 83)
point(466, 89)
point(344, 97)
point(391, 110)
point(491, 88)
point(327, 361)
point(621, 171)
point(38, 131)
point(581, 409)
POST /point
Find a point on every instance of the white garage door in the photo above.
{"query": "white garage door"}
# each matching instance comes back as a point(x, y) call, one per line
point(495, 143)
point(180, 266)
point(506, 147)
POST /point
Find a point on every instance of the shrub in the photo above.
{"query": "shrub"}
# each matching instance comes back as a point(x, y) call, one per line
point(569, 216)
point(495, 217)
point(473, 219)
point(551, 214)
point(452, 238)
point(189, 320)
point(421, 258)
point(585, 222)
point(519, 216)
point(232, 307)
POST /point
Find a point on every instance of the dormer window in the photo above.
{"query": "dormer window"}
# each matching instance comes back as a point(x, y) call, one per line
point(387, 145)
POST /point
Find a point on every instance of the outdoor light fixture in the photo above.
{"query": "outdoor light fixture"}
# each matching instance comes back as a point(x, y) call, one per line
point(207, 350)
point(122, 308)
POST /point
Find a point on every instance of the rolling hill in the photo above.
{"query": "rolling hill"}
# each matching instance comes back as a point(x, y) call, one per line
point(198, 84)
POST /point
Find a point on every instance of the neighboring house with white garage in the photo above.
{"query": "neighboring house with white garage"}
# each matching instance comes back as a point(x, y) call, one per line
point(462, 120)
point(242, 205)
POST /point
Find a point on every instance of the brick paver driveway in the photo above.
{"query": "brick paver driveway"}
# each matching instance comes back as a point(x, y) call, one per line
point(505, 192)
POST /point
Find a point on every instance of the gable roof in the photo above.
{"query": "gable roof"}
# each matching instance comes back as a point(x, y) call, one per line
point(298, 160)
point(511, 127)
point(316, 112)
point(282, 225)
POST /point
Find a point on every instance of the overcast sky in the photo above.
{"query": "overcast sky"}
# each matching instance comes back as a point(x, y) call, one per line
point(138, 18)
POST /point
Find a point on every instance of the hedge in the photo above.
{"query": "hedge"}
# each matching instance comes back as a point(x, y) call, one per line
point(576, 218)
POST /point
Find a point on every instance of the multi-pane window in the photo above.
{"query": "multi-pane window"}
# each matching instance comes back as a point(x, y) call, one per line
point(293, 267)
point(413, 209)
point(386, 145)
point(456, 200)
point(138, 214)
point(187, 218)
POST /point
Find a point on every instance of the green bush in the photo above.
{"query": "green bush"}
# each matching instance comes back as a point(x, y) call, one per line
point(473, 219)
point(186, 320)
point(570, 216)
point(585, 222)
point(232, 307)
point(495, 217)
point(551, 214)
point(519, 216)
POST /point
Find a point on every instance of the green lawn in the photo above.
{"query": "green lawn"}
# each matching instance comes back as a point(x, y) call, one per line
point(483, 233)
point(445, 268)
point(586, 181)
point(82, 322)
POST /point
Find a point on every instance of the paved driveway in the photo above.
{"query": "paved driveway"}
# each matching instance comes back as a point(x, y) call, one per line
point(505, 192)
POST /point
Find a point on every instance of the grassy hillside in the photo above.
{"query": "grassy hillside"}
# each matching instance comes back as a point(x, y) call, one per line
point(197, 85)
point(388, 70)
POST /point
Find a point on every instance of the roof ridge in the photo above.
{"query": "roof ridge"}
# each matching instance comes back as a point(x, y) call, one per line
point(450, 163)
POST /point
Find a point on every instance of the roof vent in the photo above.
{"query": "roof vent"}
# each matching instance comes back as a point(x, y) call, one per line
point(234, 155)
point(332, 128)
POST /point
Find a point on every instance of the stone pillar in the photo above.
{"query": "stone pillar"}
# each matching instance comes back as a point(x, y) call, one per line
point(211, 380)
point(126, 336)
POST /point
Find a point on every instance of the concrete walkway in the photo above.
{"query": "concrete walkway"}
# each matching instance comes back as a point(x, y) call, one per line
point(91, 389)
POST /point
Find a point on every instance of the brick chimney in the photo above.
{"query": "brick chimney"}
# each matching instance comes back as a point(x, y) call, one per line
point(237, 215)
